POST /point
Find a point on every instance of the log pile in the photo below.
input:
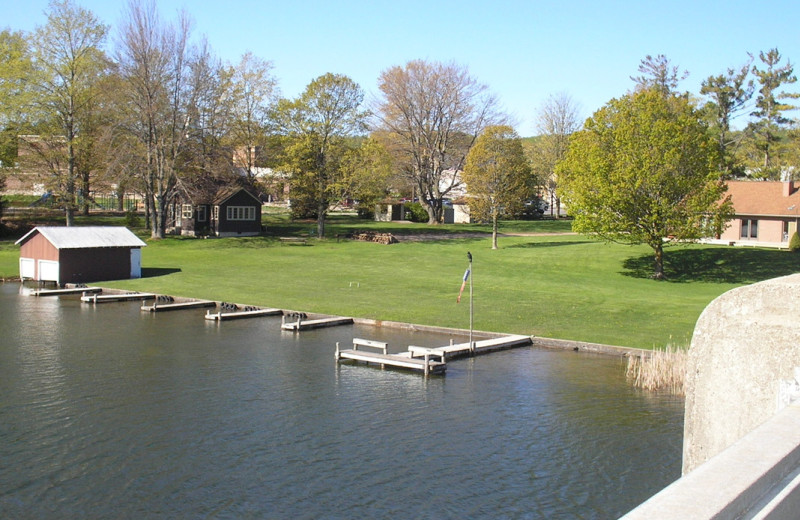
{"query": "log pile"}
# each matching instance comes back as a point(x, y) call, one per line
point(372, 236)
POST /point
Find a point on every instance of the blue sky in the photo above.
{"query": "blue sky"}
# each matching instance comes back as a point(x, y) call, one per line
point(524, 51)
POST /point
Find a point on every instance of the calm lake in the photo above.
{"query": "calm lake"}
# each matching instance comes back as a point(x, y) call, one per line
point(109, 412)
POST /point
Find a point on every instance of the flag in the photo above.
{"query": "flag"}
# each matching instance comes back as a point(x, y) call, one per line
point(463, 283)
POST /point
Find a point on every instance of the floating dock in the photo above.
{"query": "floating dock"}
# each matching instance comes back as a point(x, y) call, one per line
point(484, 346)
point(106, 298)
point(430, 360)
point(303, 324)
point(402, 360)
point(61, 292)
point(161, 307)
point(235, 315)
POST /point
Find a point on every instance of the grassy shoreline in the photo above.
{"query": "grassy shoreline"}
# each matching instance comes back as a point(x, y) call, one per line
point(545, 283)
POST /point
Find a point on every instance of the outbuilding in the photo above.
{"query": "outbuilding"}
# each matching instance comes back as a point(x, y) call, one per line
point(80, 254)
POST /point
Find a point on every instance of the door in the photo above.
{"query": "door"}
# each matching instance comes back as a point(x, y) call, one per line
point(136, 263)
point(48, 271)
point(27, 268)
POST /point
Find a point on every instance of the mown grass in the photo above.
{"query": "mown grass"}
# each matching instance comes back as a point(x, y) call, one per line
point(554, 285)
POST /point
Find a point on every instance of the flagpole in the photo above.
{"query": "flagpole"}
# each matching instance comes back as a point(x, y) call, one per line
point(471, 343)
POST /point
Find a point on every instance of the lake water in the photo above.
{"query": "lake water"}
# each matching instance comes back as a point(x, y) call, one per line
point(109, 412)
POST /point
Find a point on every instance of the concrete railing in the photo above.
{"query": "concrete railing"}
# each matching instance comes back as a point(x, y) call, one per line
point(757, 477)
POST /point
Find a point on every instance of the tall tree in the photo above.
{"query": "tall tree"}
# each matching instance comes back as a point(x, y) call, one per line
point(769, 108)
point(154, 61)
point(658, 73)
point(254, 93)
point(432, 113)
point(366, 174)
point(644, 168)
point(69, 65)
point(16, 71)
point(728, 95)
point(498, 175)
point(316, 125)
point(556, 120)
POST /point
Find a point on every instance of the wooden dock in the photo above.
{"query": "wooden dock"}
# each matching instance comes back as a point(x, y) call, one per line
point(304, 324)
point(106, 298)
point(402, 360)
point(235, 315)
point(161, 307)
point(484, 346)
point(61, 292)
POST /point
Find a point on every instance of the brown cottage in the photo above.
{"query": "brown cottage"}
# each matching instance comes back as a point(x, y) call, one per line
point(232, 212)
point(80, 254)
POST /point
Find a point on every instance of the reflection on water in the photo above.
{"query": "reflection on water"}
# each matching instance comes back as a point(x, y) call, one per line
point(110, 412)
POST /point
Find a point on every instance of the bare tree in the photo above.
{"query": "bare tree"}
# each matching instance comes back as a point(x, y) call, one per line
point(254, 93)
point(154, 61)
point(557, 119)
point(431, 113)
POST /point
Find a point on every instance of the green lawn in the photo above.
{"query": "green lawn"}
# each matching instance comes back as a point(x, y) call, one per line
point(562, 286)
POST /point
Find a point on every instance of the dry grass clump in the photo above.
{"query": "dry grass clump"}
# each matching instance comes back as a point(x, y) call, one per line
point(662, 370)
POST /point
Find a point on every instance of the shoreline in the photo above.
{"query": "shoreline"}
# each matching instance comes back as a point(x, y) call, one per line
point(537, 341)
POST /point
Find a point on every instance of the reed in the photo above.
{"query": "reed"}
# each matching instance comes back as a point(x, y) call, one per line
point(659, 370)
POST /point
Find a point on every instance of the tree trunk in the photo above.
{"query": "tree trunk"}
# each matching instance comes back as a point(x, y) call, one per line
point(494, 229)
point(658, 267)
point(321, 210)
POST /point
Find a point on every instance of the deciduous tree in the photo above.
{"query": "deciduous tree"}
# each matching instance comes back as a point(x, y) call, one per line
point(644, 170)
point(432, 113)
point(498, 175)
point(658, 73)
point(316, 125)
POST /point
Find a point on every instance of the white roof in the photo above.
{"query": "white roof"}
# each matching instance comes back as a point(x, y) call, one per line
point(80, 237)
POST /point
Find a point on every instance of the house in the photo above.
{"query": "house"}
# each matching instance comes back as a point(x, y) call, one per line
point(80, 254)
point(766, 213)
point(232, 211)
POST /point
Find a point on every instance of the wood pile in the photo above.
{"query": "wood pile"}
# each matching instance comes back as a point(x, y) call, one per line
point(372, 236)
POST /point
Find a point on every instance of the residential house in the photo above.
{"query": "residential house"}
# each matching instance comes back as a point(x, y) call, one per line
point(766, 213)
point(232, 211)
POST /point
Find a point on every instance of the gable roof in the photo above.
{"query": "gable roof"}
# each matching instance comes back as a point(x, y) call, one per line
point(225, 194)
point(765, 198)
point(82, 237)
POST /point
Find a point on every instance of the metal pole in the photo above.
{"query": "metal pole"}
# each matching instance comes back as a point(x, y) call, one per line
point(471, 274)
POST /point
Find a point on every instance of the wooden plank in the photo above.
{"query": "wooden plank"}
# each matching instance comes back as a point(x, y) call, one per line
point(221, 316)
point(106, 298)
point(73, 290)
point(393, 360)
point(481, 347)
point(382, 345)
point(156, 307)
point(315, 324)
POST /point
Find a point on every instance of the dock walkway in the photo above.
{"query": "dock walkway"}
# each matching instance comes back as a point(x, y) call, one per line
point(383, 358)
point(156, 307)
point(484, 346)
point(106, 298)
point(302, 324)
point(61, 292)
point(235, 315)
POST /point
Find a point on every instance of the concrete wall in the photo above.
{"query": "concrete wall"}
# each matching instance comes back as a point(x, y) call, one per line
point(745, 342)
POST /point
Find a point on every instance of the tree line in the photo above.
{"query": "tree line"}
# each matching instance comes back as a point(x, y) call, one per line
point(155, 111)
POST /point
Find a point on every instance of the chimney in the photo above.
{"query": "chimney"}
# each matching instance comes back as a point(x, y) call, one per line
point(788, 188)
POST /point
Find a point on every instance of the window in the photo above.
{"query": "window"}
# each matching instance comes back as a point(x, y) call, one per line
point(201, 213)
point(241, 213)
point(749, 228)
point(186, 211)
point(215, 214)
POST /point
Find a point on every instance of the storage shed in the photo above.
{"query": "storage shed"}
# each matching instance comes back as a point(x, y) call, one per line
point(80, 254)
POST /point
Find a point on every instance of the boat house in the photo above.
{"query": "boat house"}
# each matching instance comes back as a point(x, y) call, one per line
point(80, 254)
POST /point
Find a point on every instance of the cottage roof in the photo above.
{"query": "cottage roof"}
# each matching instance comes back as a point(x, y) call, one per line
point(226, 193)
point(82, 237)
point(765, 198)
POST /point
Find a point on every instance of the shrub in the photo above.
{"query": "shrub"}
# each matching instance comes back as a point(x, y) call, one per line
point(415, 212)
point(132, 219)
point(366, 211)
point(794, 242)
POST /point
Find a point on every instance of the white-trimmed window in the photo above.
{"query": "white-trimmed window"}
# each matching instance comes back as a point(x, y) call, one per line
point(215, 214)
point(201, 213)
point(186, 211)
point(241, 213)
